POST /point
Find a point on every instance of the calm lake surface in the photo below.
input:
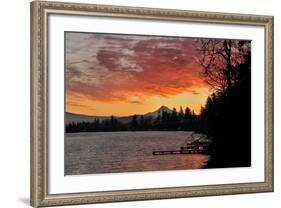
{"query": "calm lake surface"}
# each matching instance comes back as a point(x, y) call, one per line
point(112, 152)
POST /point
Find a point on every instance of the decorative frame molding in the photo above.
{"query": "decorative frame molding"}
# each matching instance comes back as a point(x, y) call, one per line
point(39, 103)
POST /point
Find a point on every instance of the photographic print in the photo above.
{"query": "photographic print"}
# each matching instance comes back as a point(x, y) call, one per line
point(152, 103)
point(131, 103)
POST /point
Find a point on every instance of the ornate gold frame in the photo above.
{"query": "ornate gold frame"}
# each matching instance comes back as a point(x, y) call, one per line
point(39, 103)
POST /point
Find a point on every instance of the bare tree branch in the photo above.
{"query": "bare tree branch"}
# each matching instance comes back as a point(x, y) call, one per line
point(218, 58)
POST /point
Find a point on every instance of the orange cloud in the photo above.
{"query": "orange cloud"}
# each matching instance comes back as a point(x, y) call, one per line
point(129, 69)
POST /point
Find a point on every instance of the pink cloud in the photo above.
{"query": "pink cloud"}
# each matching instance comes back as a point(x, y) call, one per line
point(117, 67)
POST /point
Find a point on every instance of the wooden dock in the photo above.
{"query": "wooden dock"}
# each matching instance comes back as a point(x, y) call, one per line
point(178, 152)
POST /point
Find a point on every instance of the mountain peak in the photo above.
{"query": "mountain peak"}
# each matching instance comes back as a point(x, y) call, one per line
point(164, 108)
point(72, 117)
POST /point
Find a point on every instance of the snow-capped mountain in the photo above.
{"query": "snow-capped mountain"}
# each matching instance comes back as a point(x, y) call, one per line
point(71, 117)
point(159, 111)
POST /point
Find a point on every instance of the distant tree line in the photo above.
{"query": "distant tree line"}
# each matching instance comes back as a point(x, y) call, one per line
point(185, 120)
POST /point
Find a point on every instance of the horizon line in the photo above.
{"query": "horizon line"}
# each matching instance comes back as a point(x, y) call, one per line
point(81, 114)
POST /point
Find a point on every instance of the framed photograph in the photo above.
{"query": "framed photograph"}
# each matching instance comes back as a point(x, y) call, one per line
point(138, 103)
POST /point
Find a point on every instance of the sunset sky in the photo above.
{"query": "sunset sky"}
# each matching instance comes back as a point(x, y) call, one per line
point(122, 75)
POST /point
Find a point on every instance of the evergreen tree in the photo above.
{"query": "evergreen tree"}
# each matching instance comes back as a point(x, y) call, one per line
point(181, 113)
point(134, 123)
point(187, 113)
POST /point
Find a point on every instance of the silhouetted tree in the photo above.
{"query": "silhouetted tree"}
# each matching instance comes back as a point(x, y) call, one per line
point(219, 60)
point(181, 113)
point(166, 121)
point(134, 123)
point(187, 113)
point(227, 112)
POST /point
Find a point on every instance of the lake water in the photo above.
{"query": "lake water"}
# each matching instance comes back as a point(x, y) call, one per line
point(113, 152)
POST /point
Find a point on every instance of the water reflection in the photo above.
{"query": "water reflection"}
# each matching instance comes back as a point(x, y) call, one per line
point(112, 152)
